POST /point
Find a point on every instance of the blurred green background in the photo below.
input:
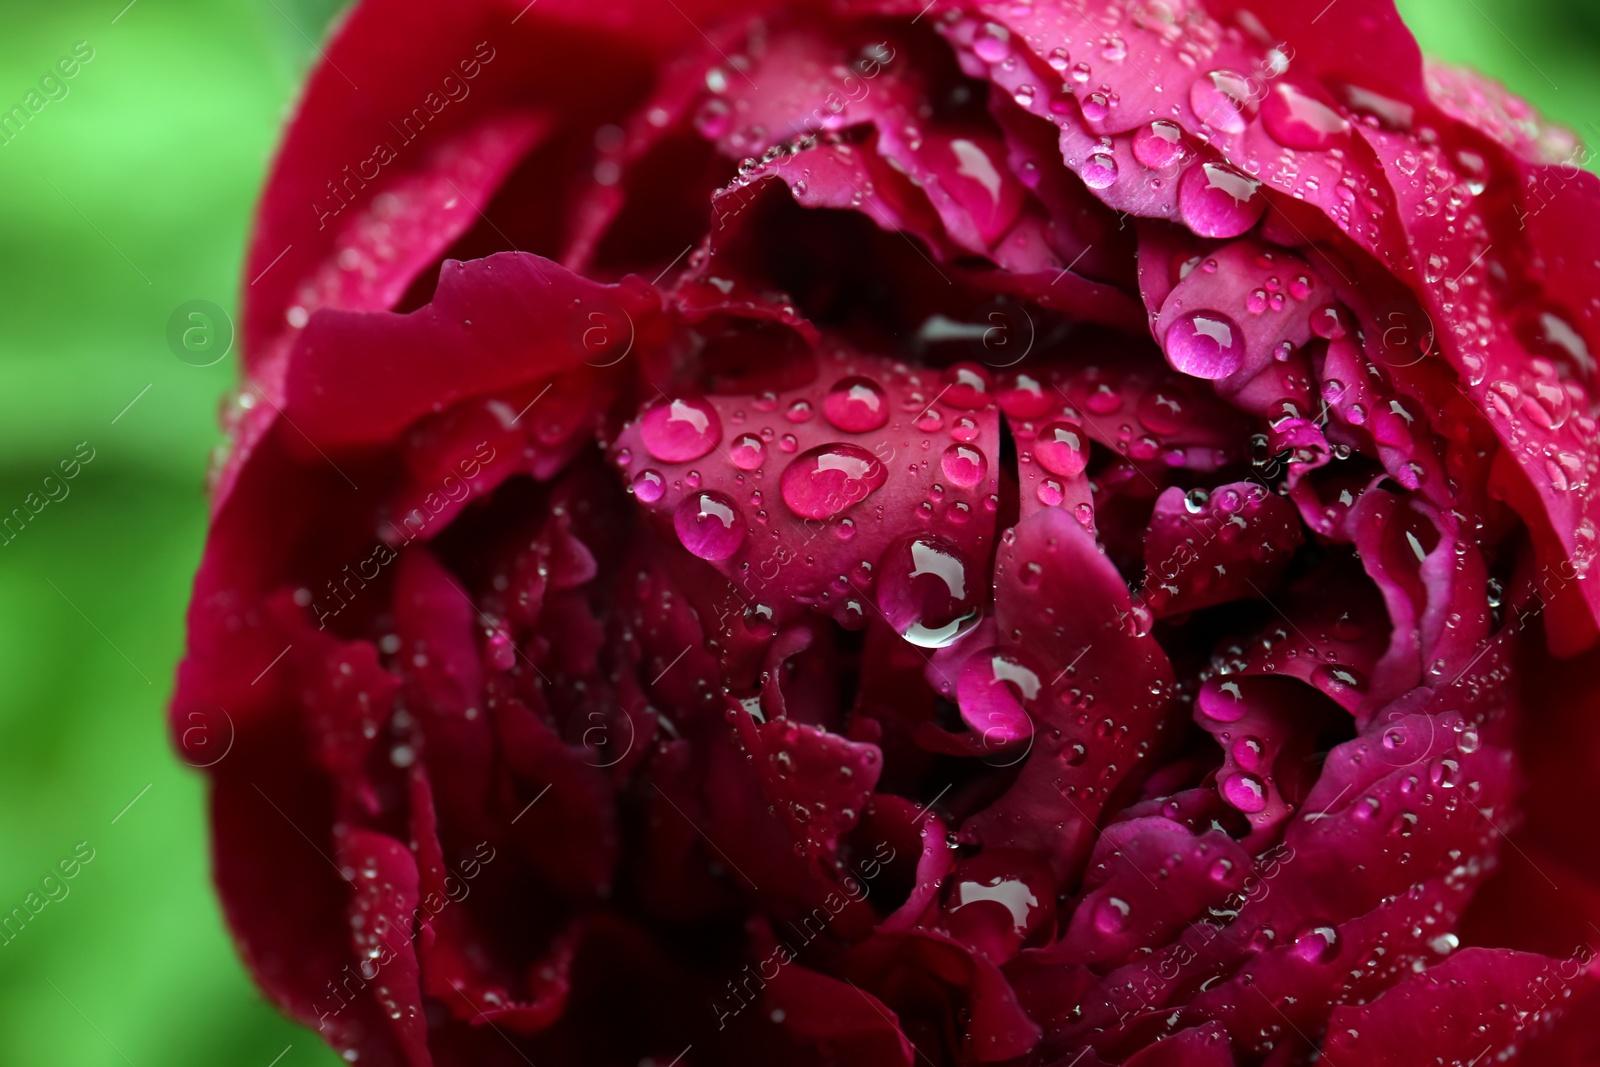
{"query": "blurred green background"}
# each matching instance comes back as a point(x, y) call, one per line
point(125, 199)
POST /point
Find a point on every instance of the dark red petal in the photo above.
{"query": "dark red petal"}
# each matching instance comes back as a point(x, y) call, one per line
point(845, 1021)
point(1480, 1002)
point(361, 378)
point(380, 916)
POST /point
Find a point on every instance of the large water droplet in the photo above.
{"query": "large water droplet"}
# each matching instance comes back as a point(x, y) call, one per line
point(992, 43)
point(748, 452)
point(823, 481)
point(1160, 145)
point(967, 386)
point(1245, 792)
point(1217, 201)
point(648, 485)
point(1062, 448)
point(1317, 944)
point(1025, 397)
point(1206, 344)
point(1111, 915)
point(856, 405)
point(994, 690)
point(676, 431)
point(1162, 410)
point(709, 525)
point(964, 465)
point(1296, 120)
point(1336, 679)
point(713, 119)
point(1100, 170)
point(1248, 753)
point(925, 591)
point(1221, 100)
point(976, 881)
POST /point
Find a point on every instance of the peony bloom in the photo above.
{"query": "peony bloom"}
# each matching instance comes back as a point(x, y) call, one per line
point(870, 534)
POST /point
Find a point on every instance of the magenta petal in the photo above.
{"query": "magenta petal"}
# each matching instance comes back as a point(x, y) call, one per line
point(809, 535)
point(1109, 686)
point(1267, 729)
point(1490, 108)
point(1123, 906)
point(1229, 546)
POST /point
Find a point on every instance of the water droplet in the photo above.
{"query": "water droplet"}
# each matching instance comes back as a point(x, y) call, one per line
point(1100, 170)
point(978, 879)
point(1205, 344)
point(1111, 915)
point(1297, 120)
point(1024, 397)
point(648, 485)
point(964, 465)
point(993, 43)
point(1162, 410)
point(1317, 944)
point(856, 405)
point(925, 592)
point(676, 431)
point(1335, 679)
point(823, 481)
point(1217, 201)
point(1062, 448)
point(1221, 99)
point(1328, 321)
point(748, 452)
point(1160, 145)
point(709, 525)
point(1245, 792)
point(967, 386)
point(713, 119)
point(994, 690)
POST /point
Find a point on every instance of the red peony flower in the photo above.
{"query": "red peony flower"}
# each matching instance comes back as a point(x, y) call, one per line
point(870, 533)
